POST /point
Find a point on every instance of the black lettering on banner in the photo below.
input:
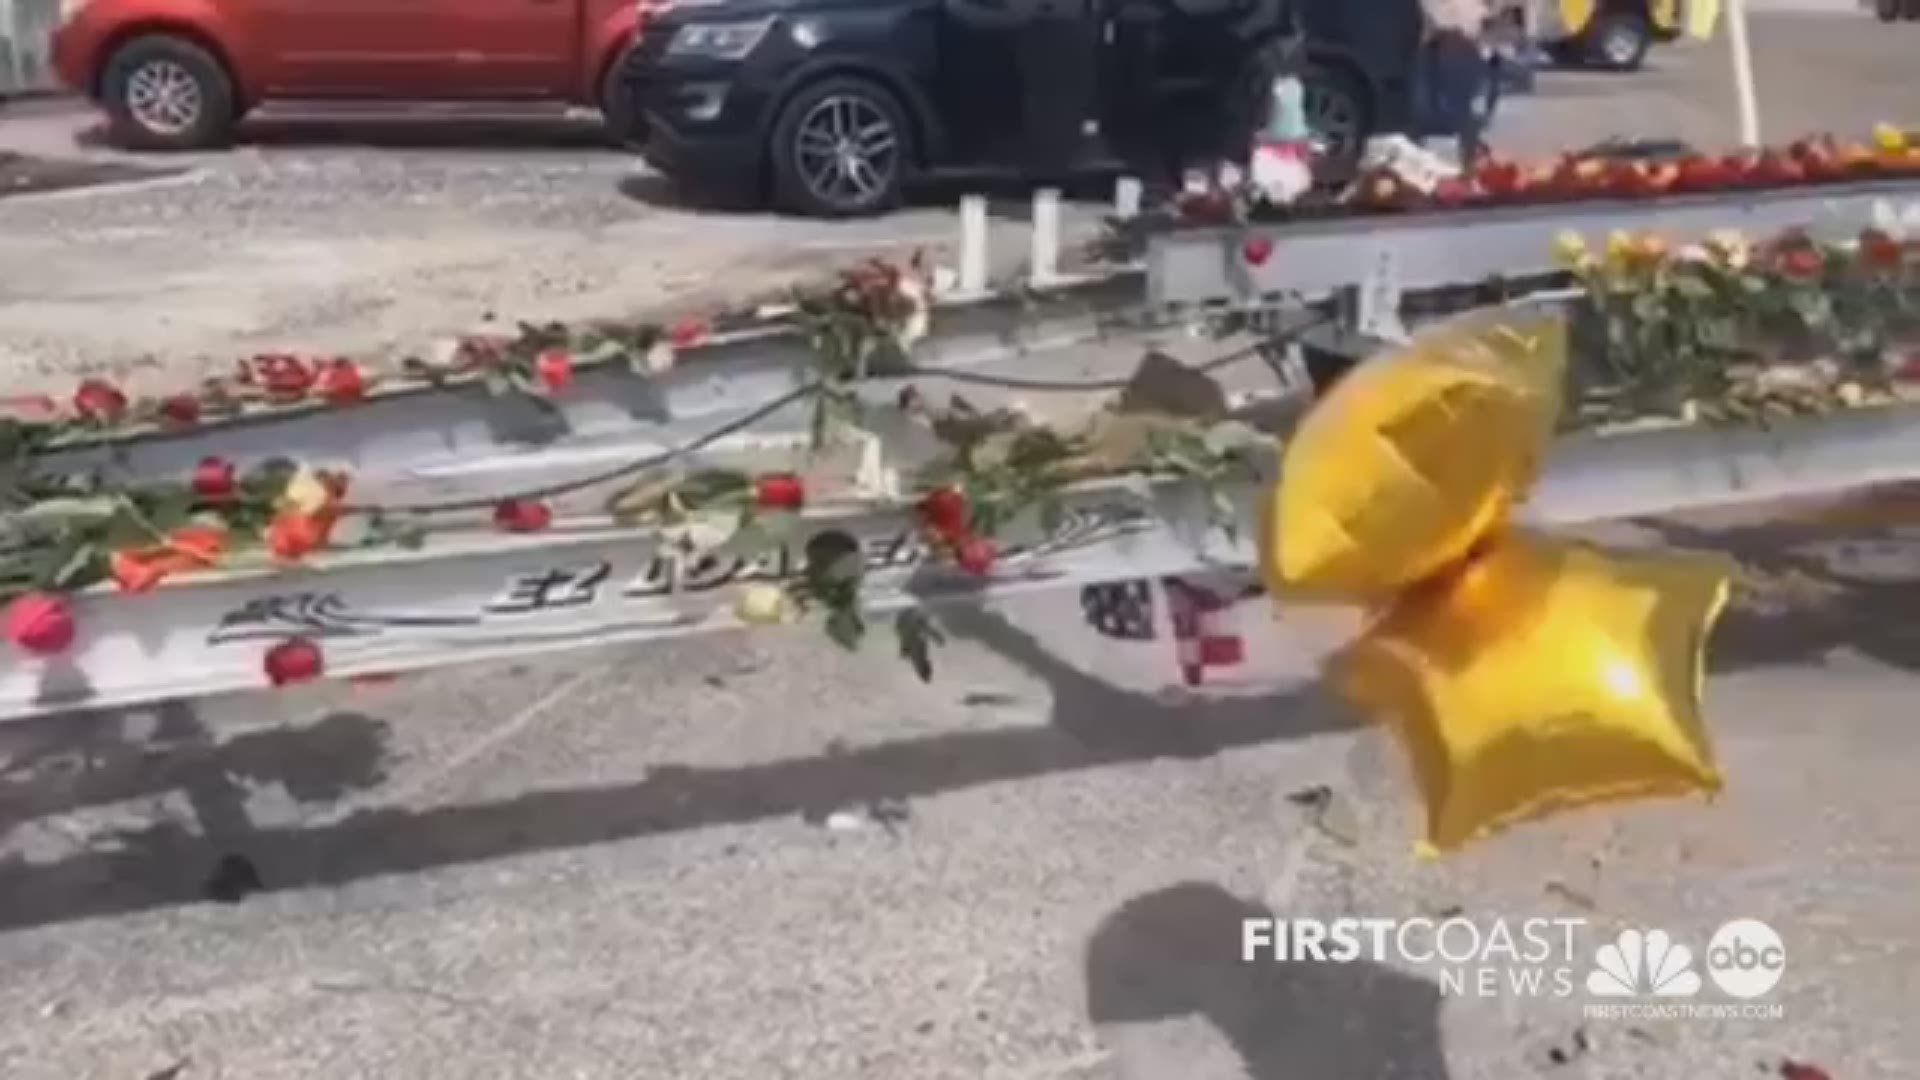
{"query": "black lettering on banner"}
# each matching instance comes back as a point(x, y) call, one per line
point(657, 578)
point(899, 549)
point(565, 587)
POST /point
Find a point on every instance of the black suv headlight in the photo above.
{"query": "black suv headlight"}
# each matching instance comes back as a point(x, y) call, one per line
point(720, 40)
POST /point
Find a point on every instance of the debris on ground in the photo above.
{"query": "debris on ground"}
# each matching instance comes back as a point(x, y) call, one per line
point(1330, 814)
point(1577, 1048)
point(1800, 1070)
point(24, 174)
point(234, 878)
point(887, 813)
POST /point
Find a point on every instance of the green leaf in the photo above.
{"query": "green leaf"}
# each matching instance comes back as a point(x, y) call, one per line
point(1231, 437)
point(917, 636)
point(166, 509)
point(85, 564)
point(833, 562)
point(1692, 288)
point(846, 627)
point(269, 478)
point(65, 513)
point(756, 536)
point(712, 488)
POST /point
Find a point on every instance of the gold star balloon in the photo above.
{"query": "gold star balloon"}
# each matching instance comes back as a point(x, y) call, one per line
point(1522, 674)
point(1543, 675)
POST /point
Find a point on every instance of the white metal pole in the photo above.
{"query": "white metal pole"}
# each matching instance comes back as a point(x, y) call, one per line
point(1043, 265)
point(973, 245)
point(1743, 73)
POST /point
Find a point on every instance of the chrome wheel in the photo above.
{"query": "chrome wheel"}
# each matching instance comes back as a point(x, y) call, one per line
point(164, 97)
point(1333, 118)
point(846, 151)
point(1620, 45)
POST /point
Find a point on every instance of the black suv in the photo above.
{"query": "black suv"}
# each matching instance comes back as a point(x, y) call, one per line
point(831, 106)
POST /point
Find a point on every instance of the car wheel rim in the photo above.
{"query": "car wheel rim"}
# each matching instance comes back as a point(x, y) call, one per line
point(164, 97)
point(846, 150)
point(1333, 118)
point(1620, 45)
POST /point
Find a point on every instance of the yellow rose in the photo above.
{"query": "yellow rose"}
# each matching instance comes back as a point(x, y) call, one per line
point(1570, 251)
point(762, 604)
point(1730, 248)
point(1620, 247)
point(1889, 138)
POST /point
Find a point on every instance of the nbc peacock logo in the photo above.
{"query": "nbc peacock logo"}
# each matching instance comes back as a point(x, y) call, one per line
point(1640, 964)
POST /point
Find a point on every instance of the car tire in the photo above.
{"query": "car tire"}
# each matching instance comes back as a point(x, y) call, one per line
point(1890, 10)
point(803, 177)
point(1617, 41)
point(166, 93)
point(624, 126)
point(1332, 90)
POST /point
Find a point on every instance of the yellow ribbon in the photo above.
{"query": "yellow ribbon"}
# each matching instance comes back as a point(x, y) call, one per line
point(1522, 674)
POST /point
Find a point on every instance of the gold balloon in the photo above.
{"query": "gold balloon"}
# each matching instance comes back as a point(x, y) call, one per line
point(1524, 675)
point(1544, 675)
point(1414, 457)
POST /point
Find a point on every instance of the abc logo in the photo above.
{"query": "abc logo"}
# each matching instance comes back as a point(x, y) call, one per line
point(1746, 958)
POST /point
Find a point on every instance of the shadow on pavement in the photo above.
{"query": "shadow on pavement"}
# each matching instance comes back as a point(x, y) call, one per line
point(1094, 725)
point(28, 174)
point(1793, 605)
point(96, 762)
point(1176, 952)
point(402, 131)
point(1007, 199)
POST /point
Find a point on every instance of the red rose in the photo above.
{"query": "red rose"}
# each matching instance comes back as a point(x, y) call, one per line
point(40, 623)
point(291, 535)
point(30, 406)
point(182, 409)
point(975, 555)
point(191, 547)
point(138, 571)
point(213, 479)
point(1257, 250)
point(1802, 263)
point(340, 381)
point(522, 515)
point(284, 376)
point(100, 400)
point(1879, 251)
point(1453, 191)
point(688, 332)
point(294, 660)
point(554, 368)
point(944, 511)
point(779, 491)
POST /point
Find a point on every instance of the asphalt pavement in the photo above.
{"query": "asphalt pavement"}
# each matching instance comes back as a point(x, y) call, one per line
point(756, 857)
point(378, 237)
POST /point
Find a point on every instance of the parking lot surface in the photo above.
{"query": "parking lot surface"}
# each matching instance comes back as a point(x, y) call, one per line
point(755, 857)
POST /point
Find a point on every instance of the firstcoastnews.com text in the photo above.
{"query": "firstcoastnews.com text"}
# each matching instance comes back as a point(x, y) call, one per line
point(1662, 1010)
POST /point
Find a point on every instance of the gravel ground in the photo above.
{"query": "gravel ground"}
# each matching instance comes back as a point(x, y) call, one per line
point(292, 242)
point(754, 857)
point(369, 237)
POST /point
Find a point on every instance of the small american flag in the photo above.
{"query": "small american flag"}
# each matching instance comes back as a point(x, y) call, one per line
point(1204, 635)
point(1203, 632)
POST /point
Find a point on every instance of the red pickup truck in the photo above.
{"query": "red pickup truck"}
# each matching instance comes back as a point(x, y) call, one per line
point(179, 74)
